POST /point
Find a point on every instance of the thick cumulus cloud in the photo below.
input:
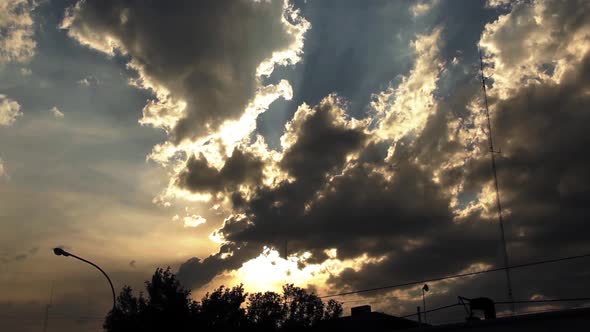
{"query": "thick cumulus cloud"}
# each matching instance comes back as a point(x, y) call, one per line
point(316, 145)
point(240, 168)
point(410, 185)
point(202, 59)
point(540, 63)
point(539, 125)
point(405, 190)
point(16, 31)
point(205, 63)
point(538, 117)
point(343, 185)
point(537, 42)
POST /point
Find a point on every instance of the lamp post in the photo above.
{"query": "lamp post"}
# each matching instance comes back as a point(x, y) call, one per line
point(61, 252)
point(424, 290)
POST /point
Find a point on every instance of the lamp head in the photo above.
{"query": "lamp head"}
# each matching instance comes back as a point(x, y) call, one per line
point(60, 252)
point(425, 288)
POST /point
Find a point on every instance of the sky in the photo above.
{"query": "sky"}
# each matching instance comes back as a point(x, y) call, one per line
point(335, 144)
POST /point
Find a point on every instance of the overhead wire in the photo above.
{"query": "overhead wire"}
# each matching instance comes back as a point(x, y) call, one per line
point(460, 275)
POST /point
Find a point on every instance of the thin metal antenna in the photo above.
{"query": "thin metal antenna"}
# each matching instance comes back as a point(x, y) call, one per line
point(46, 322)
point(498, 203)
point(286, 249)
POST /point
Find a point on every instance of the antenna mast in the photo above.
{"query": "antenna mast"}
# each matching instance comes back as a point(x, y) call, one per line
point(46, 321)
point(498, 203)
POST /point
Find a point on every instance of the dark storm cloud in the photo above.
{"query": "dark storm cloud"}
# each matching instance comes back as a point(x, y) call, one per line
point(322, 140)
point(195, 272)
point(542, 170)
point(240, 168)
point(359, 211)
point(322, 143)
point(342, 191)
point(204, 53)
point(545, 194)
point(408, 219)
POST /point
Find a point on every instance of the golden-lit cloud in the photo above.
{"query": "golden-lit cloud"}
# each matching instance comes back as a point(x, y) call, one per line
point(56, 112)
point(16, 31)
point(270, 271)
point(190, 220)
point(3, 173)
point(422, 7)
point(10, 110)
point(536, 42)
point(405, 108)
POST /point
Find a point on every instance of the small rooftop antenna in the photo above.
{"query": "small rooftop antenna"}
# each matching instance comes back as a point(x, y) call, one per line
point(498, 203)
point(46, 321)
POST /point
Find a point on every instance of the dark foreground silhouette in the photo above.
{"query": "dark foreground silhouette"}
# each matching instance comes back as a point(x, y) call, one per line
point(167, 306)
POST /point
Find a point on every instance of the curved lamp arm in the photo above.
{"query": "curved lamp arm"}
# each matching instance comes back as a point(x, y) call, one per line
point(61, 252)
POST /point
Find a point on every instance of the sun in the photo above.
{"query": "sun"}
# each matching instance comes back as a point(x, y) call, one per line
point(269, 271)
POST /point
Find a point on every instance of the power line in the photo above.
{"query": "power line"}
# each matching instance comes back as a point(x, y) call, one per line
point(539, 311)
point(547, 301)
point(411, 283)
point(506, 302)
point(433, 310)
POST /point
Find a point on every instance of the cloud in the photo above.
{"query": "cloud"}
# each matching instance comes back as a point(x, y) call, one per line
point(240, 168)
point(403, 191)
point(89, 81)
point(191, 220)
point(199, 82)
point(423, 7)
point(16, 31)
point(195, 272)
point(207, 71)
point(56, 112)
point(539, 95)
point(407, 107)
point(500, 3)
point(19, 257)
point(544, 150)
point(536, 42)
point(10, 110)
point(339, 189)
point(409, 185)
point(2, 169)
point(26, 72)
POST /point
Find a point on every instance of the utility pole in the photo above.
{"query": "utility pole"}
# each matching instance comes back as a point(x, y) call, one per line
point(498, 203)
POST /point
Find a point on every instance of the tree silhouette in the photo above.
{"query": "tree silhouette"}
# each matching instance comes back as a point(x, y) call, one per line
point(168, 306)
point(304, 310)
point(127, 315)
point(333, 310)
point(266, 311)
point(222, 310)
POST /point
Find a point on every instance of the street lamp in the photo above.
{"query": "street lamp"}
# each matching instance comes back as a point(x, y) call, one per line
point(61, 252)
point(424, 290)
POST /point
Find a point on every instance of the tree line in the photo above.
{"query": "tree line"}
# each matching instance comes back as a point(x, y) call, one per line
point(167, 306)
